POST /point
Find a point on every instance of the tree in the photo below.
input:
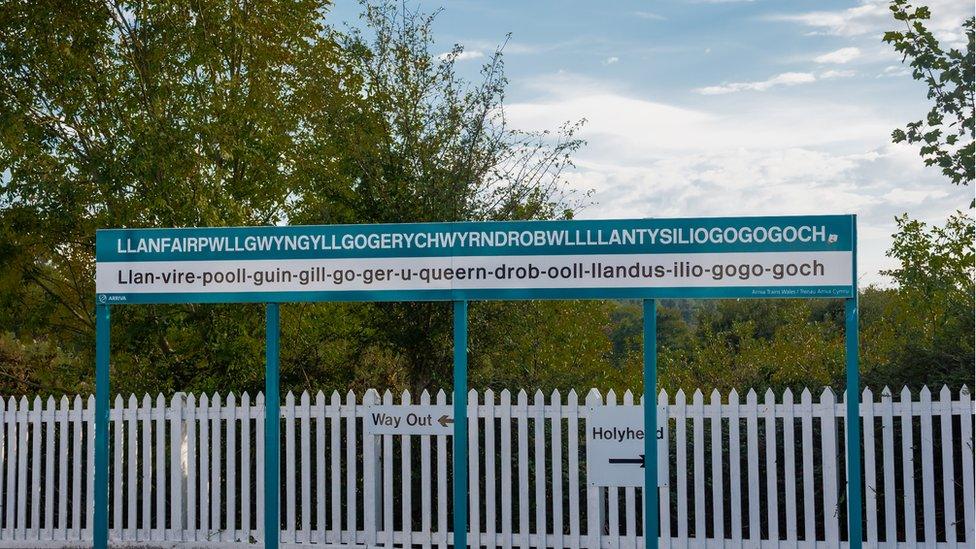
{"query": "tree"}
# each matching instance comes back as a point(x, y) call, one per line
point(120, 113)
point(133, 114)
point(925, 332)
point(758, 344)
point(627, 331)
point(437, 148)
point(947, 133)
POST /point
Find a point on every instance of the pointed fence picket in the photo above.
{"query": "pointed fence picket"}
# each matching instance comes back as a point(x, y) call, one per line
point(190, 472)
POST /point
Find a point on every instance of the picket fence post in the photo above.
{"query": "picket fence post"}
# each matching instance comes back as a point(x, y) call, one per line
point(888, 455)
point(735, 478)
point(870, 489)
point(630, 500)
point(593, 526)
point(966, 440)
point(442, 494)
point(572, 435)
point(789, 467)
point(522, 412)
point(507, 501)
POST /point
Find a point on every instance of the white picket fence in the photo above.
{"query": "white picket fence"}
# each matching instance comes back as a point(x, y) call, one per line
point(190, 472)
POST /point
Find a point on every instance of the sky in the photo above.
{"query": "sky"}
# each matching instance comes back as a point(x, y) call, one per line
point(719, 107)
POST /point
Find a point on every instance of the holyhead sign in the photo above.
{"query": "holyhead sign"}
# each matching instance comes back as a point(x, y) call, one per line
point(642, 258)
point(731, 257)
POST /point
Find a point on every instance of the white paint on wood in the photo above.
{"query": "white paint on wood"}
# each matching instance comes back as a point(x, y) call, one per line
point(182, 471)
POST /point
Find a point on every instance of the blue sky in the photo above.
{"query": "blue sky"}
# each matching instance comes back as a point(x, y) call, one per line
point(706, 108)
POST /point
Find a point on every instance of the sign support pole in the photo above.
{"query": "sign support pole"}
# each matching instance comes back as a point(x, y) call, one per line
point(460, 424)
point(272, 442)
point(102, 389)
point(854, 479)
point(650, 424)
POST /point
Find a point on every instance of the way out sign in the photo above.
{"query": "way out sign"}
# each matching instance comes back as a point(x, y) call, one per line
point(409, 420)
point(615, 447)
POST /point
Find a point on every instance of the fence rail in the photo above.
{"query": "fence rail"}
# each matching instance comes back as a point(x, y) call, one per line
point(751, 472)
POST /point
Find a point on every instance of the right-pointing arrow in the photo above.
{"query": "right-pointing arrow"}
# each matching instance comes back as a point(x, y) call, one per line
point(632, 461)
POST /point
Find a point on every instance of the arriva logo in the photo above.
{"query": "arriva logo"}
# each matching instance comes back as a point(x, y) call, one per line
point(832, 239)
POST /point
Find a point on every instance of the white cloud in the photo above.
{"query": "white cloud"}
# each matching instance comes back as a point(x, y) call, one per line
point(894, 70)
point(784, 79)
point(827, 75)
point(874, 17)
point(465, 55)
point(611, 60)
point(855, 21)
point(629, 126)
point(841, 56)
point(914, 197)
point(762, 156)
point(649, 15)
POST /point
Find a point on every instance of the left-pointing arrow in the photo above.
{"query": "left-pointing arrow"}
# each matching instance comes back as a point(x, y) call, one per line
point(444, 420)
point(632, 461)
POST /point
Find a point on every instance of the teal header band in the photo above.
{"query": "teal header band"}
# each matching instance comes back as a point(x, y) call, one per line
point(730, 257)
point(567, 237)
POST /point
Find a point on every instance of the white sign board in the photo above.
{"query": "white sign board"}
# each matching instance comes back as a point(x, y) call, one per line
point(409, 420)
point(807, 256)
point(615, 447)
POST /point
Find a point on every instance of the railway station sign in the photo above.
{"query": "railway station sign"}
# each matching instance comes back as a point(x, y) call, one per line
point(409, 419)
point(729, 257)
point(615, 447)
point(790, 256)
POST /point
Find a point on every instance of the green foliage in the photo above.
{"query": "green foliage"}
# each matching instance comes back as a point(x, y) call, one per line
point(937, 262)
point(127, 114)
point(924, 333)
point(946, 135)
point(920, 332)
point(38, 367)
point(543, 345)
point(627, 331)
point(438, 148)
point(757, 344)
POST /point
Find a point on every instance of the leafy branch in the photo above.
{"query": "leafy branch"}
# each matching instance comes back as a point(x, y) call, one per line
point(947, 132)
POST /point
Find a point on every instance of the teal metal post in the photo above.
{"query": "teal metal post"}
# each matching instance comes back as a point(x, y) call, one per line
point(854, 475)
point(460, 424)
point(272, 444)
point(102, 389)
point(854, 479)
point(650, 424)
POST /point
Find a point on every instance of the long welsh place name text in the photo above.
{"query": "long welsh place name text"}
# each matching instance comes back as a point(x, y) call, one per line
point(576, 270)
point(477, 239)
